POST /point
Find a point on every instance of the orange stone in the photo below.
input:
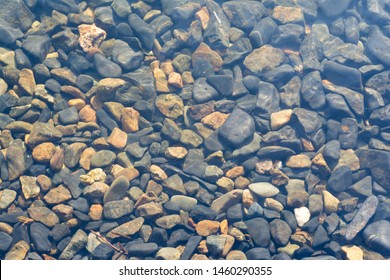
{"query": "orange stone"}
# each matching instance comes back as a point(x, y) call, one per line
point(85, 158)
point(117, 138)
point(96, 212)
point(215, 119)
point(175, 80)
point(207, 227)
point(44, 152)
point(167, 67)
point(235, 172)
point(130, 173)
point(129, 120)
point(203, 16)
point(77, 102)
point(157, 173)
point(87, 114)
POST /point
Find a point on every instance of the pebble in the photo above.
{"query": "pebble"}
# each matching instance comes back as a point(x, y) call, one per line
point(40, 237)
point(352, 252)
point(259, 231)
point(6, 198)
point(77, 242)
point(258, 254)
point(168, 253)
point(264, 189)
point(126, 229)
point(302, 215)
point(117, 209)
point(117, 190)
point(18, 251)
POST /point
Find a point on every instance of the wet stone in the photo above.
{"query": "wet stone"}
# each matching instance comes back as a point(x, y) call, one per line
point(117, 209)
point(40, 237)
point(117, 190)
point(376, 236)
point(259, 231)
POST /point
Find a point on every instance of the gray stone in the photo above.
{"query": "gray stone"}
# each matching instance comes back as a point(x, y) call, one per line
point(117, 190)
point(366, 211)
point(78, 242)
point(264, 189)
point(117, 209)
point(377, 236)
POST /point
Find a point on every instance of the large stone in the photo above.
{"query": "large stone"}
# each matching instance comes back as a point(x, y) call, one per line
point(127, 229)
point(224, 202)
point(43, 132)
point(377, 236)
point(238, 128)
point(15, 159)
point(117, 190)
point(17, 14)
point(264, 189)
point(259, 231)
point(366, 211)
point(77, 242)
point(333, 8)
point(264, 59)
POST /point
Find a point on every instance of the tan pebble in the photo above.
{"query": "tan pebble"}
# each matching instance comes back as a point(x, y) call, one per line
point(159, 74)
point(176, 152)
point(241, 182)
point(30, 188)
point(58, 195)
point(235, 255)
point(199, 257)
point(145, 199)
point(202, 247)
point(85, 158)
point(224, 226)
point(44, 152)
point(77, 102)
point(73, 223)
point(87, 114)
point(18, 251)
point(235, 172)
point(298, 161)
point(129, 120)
point(154, 65)
point(117, 138)
point(247, 198)
point(100, 144)
point(331, 203)
point(264, 166)
point(215, 119)
point(130, 173)
point(44, 183)
point(154, 187)
point(229, 242)
point(157, 173)
point(170, 105)
point(280, 119)
point(273, 204)
point(187, 78)
point(207, 227)
point(6, 228)
point(319, 161)
point(203, 16)
point(225, 184)
point(64, 212)
point(352, 252)
point(96, 212)
point(205, 52)
point(57, 161)
point(237, 234)
point(96, 103)
point(175, 80)
point(307, 145)
point(90, 36)
point(167, 67)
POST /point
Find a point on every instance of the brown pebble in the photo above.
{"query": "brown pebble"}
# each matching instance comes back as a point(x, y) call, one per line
point(235, 172)
point(130, 118)
point(157, 173)
point(241, 182)
point(44, 152)
point(85, 158)
point(58, 159)
point(44, 183)
point(96, 212)
point(130, 173)
point(117, 139)
point(215, 119)
point(87, 114)
point(207, 227)
point(175, 80)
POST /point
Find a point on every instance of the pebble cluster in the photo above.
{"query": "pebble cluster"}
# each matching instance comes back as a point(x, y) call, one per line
point(194, 129)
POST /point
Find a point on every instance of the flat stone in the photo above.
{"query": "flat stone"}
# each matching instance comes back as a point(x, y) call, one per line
point(143, 249)
point(169, 221)
point(43, 132)
point(333, 8)
point(222, 203)
point(30, 188)
point(105, 67)
point(126, 229)
point(58, 195)
point(15, 159)
point(40, 237)
point(366, 211)
point(340, 180)
point(117, 190)
point(258, 254)
point(6, 198)
point(174, 185)
point(264, 59)
point(168, 253)
point(43, 215)
point(18, 251)
point(170, 105)
point(6, 241)
point(376, 236)
point(264, 189)
point(280, 231)
point(259, 231)
point(207, 227)
point(102, 158)
point(77, 242)
point(117, 209)
point(377, 44)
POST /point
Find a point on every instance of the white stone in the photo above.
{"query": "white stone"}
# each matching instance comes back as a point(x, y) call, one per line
point(302, 215)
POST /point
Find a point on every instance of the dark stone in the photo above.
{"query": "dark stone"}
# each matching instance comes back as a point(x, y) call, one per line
point(331, 152)
point(258, 229)
point(15, 159)
point(258, 254)
point(8, 34)
point(159, 236)
point(244, 16)
point(190, 247)
point(378, 44)
point(105, 67)
point(280, 231)
point(79, 64)
point(142, 249)
point(348, 133)
point(143, 31)
point(63, 6)
point(17, 14)
point(59, 232)
point(251, 83)
point(161, 24)
point(20, 232)
point(125, 56)
point(281, 256)
point(374, 100)
point(238, 128)
point(69, 116)
point(340, 180)
point(332, 8)
point(381, 116)
point(377, 236)
point(320, 237)
point(352, 30)
point(37, 46)
point(311, 51)
point(200, 212)
point(312, 90)
point(203, 92)
point(279, 76)
point(12, 218)
point(262, 32)
point(5, 241)
point(337, 106)
point(342, 75)
point(217, 32)
point(289, 34)
point(117, 190)
point(363, 187)
point(178, 237)
point(366, 211)
point(40, 237)
point(275, 152)
point(331, 223)
point(238, 51)
point(224, 84)
point(105, 119)
point(267, 99)
point(103, 252)
point(308, 121)
point(235, 213)
point(303, 252)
